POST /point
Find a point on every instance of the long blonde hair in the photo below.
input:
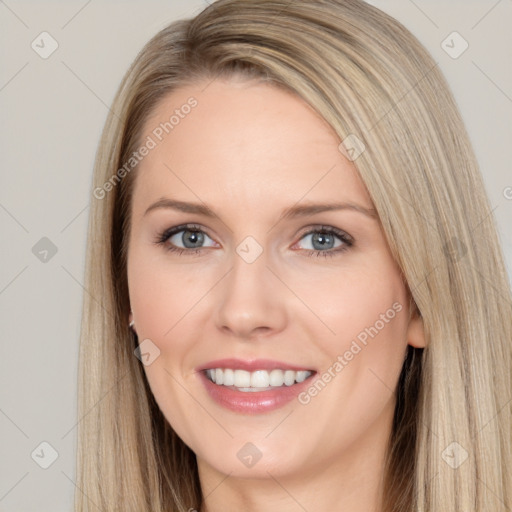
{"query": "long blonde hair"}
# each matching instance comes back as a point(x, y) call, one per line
point(372, 81)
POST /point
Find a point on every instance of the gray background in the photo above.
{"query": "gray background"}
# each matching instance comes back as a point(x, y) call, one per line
point(53, 111)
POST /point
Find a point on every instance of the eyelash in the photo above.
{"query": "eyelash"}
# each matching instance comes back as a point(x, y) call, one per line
point(347, 240)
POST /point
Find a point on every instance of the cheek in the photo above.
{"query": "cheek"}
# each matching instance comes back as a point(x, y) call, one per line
point(363, 355)
point(161, 295)
point(367, 316)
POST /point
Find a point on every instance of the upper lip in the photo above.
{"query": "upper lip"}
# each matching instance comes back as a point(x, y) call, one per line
point(251, 365)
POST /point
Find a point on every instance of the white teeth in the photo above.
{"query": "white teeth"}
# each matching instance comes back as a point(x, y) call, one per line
point(289, 377)
point(229, 377)
point(259, 380)
point(276, 378)
point(302, 376)
point(242, 378)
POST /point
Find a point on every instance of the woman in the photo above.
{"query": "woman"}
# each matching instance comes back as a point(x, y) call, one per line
point(224, 368)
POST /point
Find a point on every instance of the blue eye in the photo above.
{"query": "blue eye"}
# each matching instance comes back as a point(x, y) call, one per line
point(325, 240)
point(191, 236)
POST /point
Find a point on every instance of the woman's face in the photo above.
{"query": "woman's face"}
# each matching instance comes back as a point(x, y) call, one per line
point(260, 282)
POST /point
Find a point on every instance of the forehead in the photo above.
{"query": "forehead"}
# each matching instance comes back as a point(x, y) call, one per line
point(251, 142)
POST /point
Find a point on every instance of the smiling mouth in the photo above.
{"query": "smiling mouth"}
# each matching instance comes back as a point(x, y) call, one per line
point(259, 380)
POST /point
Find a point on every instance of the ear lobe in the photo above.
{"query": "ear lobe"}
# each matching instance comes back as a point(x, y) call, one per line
point(131, 322)
point(416, 331)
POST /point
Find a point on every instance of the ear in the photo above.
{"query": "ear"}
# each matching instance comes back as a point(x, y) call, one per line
point(130, 324)
point(416, 330)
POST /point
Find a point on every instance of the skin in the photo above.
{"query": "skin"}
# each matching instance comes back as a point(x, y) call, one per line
point(249, 151)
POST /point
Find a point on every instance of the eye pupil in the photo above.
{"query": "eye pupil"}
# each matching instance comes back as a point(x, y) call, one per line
point(195, 238)
point(323, 239)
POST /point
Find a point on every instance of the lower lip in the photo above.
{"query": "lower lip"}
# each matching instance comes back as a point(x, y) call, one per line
point(253, 402)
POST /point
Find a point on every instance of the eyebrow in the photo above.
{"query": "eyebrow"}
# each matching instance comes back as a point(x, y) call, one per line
point(301, 210)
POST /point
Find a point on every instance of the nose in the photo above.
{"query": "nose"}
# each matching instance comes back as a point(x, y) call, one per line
point(252, 302)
